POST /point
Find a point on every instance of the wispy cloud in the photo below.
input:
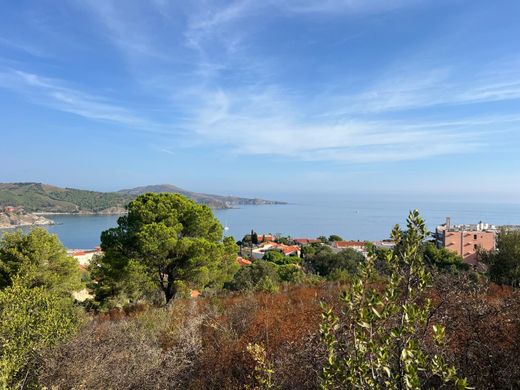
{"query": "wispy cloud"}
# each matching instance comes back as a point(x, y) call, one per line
point(419, 88)
point(209, 23)
point(23, 47)
point(167, 151)
point(54, 94)
point(342, 6)
point(127, 29)
point(230, 97)
point(268, 125)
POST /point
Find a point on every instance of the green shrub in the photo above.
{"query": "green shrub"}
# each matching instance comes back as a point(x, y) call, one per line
point(31, 319)
point(378, 343)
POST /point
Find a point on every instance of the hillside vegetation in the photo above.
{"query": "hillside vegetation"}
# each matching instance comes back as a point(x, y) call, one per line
point(202, 344)
point(37, 197)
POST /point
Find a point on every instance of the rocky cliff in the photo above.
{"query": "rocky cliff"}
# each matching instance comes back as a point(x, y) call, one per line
point(21, 218)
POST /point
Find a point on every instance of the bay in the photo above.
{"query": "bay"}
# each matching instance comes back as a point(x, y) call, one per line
point(354, 217)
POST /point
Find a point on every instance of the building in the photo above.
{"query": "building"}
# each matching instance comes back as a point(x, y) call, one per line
point(286, 250)
point(357, 245)
point(84, 256)
point(265, 237)
point(306, 241)
point(384, 244)
point(466, 240)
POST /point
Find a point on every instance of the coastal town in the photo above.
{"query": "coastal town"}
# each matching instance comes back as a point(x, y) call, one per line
point(464, 240)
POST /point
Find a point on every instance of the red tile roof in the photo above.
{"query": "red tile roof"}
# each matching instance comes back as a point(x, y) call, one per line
point(84, 252)
point(349, 244)
point(286, 249)
point(242, 262)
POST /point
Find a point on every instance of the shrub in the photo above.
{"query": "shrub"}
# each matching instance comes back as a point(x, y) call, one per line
point(378, 344)
point(260, 275)
point(31, 319)
point(325, 262)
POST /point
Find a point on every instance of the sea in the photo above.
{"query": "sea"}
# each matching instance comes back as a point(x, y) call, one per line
point(352, 217)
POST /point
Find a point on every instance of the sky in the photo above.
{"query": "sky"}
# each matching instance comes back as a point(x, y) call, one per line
point(263, 97)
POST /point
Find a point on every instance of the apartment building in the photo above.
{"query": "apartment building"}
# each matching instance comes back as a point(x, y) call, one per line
point(466, 240)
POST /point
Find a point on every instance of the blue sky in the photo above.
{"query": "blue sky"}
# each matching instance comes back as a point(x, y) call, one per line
point(259, 97)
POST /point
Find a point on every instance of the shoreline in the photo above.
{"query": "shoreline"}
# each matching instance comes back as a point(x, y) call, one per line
point(27, 225)
point(20, 219)
point(80, 214)
point(90, 213)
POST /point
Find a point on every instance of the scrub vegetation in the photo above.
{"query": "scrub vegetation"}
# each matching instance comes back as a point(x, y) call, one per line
point(413, 317)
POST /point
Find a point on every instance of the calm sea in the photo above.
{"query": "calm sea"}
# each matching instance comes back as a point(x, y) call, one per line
point(351, 217)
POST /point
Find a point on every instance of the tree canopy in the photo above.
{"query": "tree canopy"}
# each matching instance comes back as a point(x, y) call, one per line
point(504, 262)
point(37, 278)
point(443, 258)
point(31, 319)
point(323, 261)
point(261, 275)
point(279, 258)
point(176, 242)
point(38, 259)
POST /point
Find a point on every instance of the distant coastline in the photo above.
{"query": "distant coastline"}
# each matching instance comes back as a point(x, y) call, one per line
point(44, 199)
point(81, 213)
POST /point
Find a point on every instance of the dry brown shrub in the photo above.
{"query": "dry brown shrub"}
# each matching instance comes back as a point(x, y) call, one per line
point(483, 329)
point(201, 343)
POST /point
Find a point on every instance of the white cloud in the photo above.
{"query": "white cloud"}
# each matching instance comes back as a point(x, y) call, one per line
point(54, 94)
point(419, 87)
point(128, 29)
point(267, 124)
point(259, 115)
point(208, 23)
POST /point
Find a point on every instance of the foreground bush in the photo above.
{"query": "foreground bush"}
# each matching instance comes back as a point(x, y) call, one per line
point(31, 319)
point(380, 342)
point(504, 262)
point(38, 259)
point(202, 344)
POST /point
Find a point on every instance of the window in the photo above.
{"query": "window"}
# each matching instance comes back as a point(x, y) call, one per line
point(474, 236)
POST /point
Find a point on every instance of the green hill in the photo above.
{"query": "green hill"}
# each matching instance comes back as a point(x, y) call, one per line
point(37, 197)
point(214, 201)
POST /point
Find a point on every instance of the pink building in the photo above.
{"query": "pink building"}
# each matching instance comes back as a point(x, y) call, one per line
point(466, 240)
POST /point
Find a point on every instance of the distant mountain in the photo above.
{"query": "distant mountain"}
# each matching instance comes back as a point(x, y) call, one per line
point(37, 197)
point(214, 201)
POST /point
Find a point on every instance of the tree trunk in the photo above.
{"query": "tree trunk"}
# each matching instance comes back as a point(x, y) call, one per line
point(169, 291)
